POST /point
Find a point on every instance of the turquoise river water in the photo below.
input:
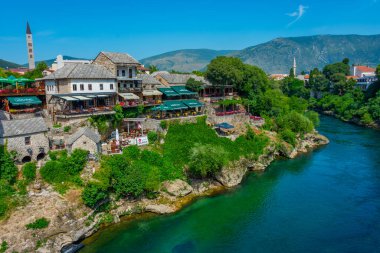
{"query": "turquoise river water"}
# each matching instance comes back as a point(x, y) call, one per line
point(324, 201)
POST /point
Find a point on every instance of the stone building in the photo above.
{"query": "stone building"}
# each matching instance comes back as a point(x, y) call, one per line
point(77, 91)
point(86, 139)
point(26, 136)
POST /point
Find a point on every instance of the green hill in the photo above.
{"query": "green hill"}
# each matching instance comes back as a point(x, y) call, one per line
point(6, 64)
point(185, 60)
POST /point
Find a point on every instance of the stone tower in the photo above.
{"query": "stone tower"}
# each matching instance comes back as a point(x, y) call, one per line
point(294, 66)
point(29, 44)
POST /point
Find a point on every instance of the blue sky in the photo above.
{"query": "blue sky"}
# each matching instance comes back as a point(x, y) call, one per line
point(82, 28)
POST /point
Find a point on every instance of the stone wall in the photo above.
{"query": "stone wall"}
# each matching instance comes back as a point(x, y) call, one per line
point(103, 60)
point(39, 144)
point(85, 143)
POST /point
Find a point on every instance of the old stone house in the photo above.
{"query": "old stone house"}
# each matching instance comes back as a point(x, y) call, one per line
point(25, 136)
point(86, 139)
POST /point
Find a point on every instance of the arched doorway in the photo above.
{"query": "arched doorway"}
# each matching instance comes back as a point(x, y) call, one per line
point(40, 156)
point(26, 159)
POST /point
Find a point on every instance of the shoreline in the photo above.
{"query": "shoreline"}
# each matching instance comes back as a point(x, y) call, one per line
point(375, 126)
point(71, 222)
point(215, 189)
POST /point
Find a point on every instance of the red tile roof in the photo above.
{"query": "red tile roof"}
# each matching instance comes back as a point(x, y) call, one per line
point(365, 69)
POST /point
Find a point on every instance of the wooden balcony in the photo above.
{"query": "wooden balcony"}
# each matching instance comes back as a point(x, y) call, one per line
point(77, 113)
point(22, 92)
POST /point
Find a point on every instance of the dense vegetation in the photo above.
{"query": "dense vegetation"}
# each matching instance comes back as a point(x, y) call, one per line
point(135, 172)
point(340, 96)
point(38, 224)
point(63, 170)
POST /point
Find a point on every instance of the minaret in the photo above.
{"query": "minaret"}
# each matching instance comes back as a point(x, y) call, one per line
point(294, 66)
point(29, 43)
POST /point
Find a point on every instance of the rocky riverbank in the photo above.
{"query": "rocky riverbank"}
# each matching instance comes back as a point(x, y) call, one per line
point(71, 221)
point(356, 121)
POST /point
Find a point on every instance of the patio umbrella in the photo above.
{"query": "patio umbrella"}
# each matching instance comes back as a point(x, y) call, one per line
point(117, 136)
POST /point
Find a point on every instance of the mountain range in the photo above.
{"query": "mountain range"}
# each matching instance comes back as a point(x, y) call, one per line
point(275, 56)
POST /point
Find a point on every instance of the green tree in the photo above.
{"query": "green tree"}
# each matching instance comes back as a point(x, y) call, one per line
point(8, 170)
point(206, 160)
point(93, 193)
point(225, 71)
point(194, 85)
point(29, 171)
point(291, 73)
point(37, 72)
point(339, 67)
point(153, 68)
point(319, 83)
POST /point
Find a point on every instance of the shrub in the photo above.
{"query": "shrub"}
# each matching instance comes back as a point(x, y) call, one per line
point(93, 193)
point(164, 124)
point(3, 247)
point(38, 224)
point(295, 122)
point(206, 160)
point(67, 129)
point(29, 171)
point(8, 170)
point(3, 207)
point(313, 116)
point(288, 136)
point(57, 125)
point(152, 136)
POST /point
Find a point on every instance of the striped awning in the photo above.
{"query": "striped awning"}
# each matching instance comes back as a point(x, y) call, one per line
point(147, 93)
point(129, 96)
point(82, 98)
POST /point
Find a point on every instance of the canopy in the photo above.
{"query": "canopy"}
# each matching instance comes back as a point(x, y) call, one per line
point(13, 80)
point(129, 96)
point(225, 125)
point(169, 92)
point(147, 93)
point(182, 90)
point(192, 103)
point(28, 100)
point(161, 108)
point(175, 105)
point(82, 98)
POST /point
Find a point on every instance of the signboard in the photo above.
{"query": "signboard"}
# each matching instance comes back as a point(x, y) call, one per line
point(141, 141)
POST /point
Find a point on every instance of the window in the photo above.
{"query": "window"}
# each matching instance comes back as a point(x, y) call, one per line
point(74, 87)
point(89, 86)
point(81, 86)
point(27, 140)
point(118, 73)
point(125, 85)
point(30, 50)
point(136, 85)
point(130, 73)
point(111, 86)
point(30, 44)
point(123, 72)
point(31, 56)
point(101, 86)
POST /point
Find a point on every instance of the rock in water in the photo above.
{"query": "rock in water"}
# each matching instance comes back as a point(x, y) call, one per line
point(177, 188)
point(233, 174)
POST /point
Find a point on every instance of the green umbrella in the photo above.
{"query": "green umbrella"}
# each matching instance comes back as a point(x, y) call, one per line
point(24, 80)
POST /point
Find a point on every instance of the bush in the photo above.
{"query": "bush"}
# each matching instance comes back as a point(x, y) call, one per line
point(152, 136)
point(29, 171)
point(3, 247)
point(38, 224)
point(67, 129)
point(313, 116)
point(295, 122)
point(288, 136)
point(164, 124)
point(206, 160)
point(57, 125)
point(8, 170)
point(93, 193)
point(3, 207)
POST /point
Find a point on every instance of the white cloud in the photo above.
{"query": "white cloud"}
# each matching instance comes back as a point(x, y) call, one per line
point(297, 14)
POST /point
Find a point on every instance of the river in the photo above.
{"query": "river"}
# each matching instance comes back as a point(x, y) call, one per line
point(324, 201)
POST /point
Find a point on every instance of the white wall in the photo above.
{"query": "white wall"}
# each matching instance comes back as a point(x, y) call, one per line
point(50, 87)
point(95, 85)
point(120, 69)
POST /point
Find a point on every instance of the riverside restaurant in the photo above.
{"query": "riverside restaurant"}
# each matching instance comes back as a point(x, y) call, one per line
point(177, 108)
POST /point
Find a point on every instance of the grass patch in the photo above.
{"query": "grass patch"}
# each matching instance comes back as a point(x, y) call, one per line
point(38, 224)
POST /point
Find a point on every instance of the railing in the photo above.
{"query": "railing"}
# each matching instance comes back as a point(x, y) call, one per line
point(27, 91)
point(26, 110)
point(129, 90)
point(94, 110)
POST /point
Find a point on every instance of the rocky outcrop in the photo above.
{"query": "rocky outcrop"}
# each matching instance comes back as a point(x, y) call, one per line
point(233, 174)
point(159, 208)
point(177, 188)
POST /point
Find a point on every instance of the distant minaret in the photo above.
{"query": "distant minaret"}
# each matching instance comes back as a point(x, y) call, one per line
point(29, 43)
point(294, 66)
